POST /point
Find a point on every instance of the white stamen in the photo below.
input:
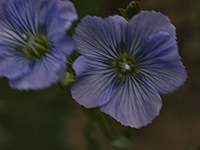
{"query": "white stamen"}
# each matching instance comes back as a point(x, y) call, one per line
point(126, 66)
point(24, 36)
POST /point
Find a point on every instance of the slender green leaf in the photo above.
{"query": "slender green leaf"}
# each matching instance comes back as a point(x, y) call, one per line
point(91, 135)
point(123, 13)
point(128, 131)
point(105, 125)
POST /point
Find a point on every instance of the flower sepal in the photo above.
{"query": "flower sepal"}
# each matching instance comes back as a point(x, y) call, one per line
point(67, 80)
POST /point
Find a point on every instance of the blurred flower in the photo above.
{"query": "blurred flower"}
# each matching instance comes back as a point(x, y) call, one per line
point(33, 41)
point(126, 65)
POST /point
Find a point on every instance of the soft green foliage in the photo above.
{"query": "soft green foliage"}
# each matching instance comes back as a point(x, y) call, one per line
point(198, 148)
point(122, 143)
point(34, 120)
point(103, 121)
point(91, 136)
point(90, 7)
point(67, 80)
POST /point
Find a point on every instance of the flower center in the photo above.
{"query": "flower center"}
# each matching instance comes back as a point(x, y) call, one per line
point(125, 65)
point(35, 47)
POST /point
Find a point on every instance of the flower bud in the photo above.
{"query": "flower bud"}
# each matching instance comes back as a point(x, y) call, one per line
point(132, 9)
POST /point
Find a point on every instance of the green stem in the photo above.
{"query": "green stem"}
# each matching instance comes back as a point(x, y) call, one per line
point(106, 125)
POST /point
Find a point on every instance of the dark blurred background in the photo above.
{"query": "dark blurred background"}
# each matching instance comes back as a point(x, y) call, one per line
point(50, 119)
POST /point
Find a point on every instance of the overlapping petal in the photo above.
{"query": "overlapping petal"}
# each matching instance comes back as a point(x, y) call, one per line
point(92, 81)
point(67, 12)
point(59, 16)
point(145, 24)
point(97, 36)
point(63, 42)
point(159, 63)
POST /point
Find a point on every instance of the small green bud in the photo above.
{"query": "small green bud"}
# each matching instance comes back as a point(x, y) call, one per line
point(132, 9)
point(68, 80)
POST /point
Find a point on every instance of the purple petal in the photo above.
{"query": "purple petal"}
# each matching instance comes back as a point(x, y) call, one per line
point(67, 11)
point(14, 65)
point(160, 63)
point(62, 13)
point(160, 45)
point(134, 103)
point(92, 78)
point(63, 42)
point(26, 14)
point(80, 65)
point(97, 36)
point(46, 71)
point(146, 23)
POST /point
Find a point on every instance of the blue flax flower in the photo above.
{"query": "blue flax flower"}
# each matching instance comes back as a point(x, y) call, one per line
point(33, 41)
point(126, 65)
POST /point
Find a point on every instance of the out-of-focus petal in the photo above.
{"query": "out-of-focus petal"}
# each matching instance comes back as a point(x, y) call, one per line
point(33, 41)
point(48, 70)
point(14, 66)
point(64, 43)
point(67, 11)
point(26, 15)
